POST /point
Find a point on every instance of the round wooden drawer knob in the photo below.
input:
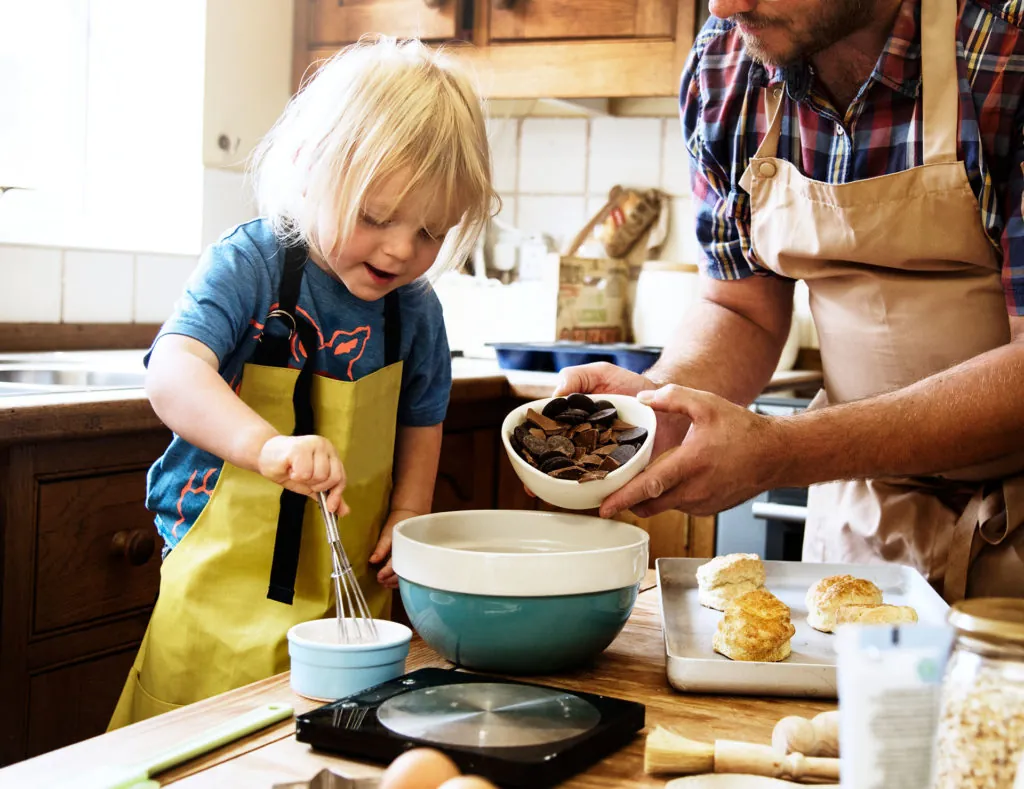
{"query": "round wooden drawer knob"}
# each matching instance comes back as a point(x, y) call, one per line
point(135, 545)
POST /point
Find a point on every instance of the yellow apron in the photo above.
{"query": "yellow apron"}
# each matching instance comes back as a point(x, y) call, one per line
point(214, 627)
point(903, 283)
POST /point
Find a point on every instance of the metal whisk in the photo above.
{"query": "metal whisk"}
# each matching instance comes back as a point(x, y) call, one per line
point(355, 622)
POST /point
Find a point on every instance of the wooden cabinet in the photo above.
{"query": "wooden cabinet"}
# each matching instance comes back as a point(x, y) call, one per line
point(338, 22)
point(573, 19)
point(80, 572)
point(523, 48)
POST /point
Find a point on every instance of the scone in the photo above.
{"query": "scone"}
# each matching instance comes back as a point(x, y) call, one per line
point(884, 614)
point(756, 626)
point(830, 594)
point(725, 578)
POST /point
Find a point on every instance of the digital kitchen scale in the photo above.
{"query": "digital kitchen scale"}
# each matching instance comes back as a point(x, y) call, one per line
point(515, 734)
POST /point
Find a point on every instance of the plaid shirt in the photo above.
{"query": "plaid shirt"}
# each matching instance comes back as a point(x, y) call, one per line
point(723, 119)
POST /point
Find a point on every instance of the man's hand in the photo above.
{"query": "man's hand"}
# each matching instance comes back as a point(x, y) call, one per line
point(728, 456)
point(307, 465)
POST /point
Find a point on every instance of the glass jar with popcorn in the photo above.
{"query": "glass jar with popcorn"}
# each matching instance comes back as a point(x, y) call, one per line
point(980, 738)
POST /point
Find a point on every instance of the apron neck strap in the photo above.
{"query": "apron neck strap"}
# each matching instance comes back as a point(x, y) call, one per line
point(940, 92)
point(940, 84)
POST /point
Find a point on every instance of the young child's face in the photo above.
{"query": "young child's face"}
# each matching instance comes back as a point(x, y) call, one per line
point(387, 249)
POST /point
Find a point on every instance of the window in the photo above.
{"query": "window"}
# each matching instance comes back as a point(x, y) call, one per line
point(101, 106)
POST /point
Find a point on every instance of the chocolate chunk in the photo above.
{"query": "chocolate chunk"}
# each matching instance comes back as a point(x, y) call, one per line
point(536, 431)
point(541, 421)
point(618, 424)
point(609, 464)
point(555, 407)
point(569, 472)
point(590, 476)
point(586, 439)
point(561, 444)
point(555, 462)
point(573, 416)
point(623, 453)
point(581, 402)
point(604, 415)
point(635, 436)
point(607, 449)
point(591, 460)
point(535, 446)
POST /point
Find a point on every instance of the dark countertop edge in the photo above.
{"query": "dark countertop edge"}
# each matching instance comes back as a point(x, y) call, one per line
point(93, 414)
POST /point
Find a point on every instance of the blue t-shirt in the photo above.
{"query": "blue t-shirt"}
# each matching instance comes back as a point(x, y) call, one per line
point(224, 307)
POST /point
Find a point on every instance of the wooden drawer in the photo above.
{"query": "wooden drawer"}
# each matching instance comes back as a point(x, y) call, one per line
point(74, 702)
point(92, 539)
point(344, 21)
point(575, 19)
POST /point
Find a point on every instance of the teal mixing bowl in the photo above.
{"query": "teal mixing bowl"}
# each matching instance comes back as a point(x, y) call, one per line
point(518, 592)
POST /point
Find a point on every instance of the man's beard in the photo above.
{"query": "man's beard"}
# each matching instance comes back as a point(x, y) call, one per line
point(833, 21)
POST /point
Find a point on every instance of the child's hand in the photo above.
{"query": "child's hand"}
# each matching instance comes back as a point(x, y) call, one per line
point(386, 576)
point(307, 465)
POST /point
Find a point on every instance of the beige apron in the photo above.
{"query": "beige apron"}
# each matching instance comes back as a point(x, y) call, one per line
point(903, 283)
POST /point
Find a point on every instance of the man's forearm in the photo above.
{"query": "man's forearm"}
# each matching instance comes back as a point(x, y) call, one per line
point(968, 414)
point(721, 351)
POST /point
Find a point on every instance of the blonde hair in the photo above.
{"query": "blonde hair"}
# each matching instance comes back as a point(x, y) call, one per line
point(375, 109)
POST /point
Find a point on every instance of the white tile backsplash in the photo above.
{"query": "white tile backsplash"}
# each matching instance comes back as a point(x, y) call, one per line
point(675, 163)
point(624, 151)
point(681, 244)
point(559, 217)
point(503, 135)
point(30, 278)
point(159, 281)
point(553, 156)
point(99, 287)
point(227, 201)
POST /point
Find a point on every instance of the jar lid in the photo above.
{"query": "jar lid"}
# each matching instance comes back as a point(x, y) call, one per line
point(990, 618)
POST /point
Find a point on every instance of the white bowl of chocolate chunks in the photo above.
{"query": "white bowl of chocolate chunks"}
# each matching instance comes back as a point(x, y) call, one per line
point(575, 451)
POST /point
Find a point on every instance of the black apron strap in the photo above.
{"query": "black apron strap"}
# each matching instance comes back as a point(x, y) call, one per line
point(288, 541)
point(392, 329)
point(274, 350)
point(275, 345)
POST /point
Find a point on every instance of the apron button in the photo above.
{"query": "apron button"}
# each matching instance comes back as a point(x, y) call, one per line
point(767, 169)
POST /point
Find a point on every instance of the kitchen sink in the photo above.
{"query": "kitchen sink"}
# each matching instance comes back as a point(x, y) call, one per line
point(78, 378)
point(70, 371)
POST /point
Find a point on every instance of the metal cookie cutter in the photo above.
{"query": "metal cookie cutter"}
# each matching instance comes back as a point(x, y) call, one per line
point(325, 779)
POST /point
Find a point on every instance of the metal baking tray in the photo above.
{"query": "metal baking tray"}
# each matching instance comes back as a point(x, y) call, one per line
point(810, 671)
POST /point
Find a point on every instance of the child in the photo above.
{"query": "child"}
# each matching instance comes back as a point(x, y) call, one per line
point(308, 354)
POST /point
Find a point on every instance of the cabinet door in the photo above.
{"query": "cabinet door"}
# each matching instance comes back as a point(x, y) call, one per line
point(71, 703)
point(344, 21)
point(466, 478)
point(575, 19)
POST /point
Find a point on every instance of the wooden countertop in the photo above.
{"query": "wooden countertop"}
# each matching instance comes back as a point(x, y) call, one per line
point(87, 414)
point(633, 667)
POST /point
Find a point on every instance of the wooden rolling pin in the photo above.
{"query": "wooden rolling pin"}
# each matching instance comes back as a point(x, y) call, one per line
point(818, 736)
point(668, 752)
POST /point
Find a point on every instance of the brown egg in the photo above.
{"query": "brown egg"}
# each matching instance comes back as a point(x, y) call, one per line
point(420, 768)
point(467, 782)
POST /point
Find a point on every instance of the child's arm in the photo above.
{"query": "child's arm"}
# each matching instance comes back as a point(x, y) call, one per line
point(417, 450)
point(190, 397)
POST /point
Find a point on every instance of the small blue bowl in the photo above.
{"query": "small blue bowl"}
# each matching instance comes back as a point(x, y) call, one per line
point(325, 670)
point(517, 635)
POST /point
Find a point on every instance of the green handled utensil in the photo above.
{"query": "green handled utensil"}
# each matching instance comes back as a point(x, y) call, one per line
point(137, 776)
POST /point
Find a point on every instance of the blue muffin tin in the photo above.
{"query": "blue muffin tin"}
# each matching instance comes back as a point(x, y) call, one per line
point(553, 356)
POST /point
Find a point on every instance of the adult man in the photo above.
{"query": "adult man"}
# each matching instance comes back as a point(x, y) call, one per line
point(872, 148)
